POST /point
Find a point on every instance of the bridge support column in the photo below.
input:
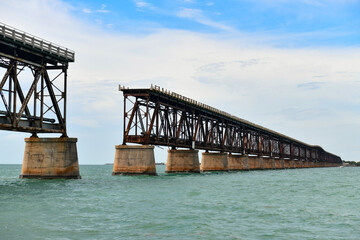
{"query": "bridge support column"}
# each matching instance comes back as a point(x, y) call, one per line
point(298, 164)
point(50, 158)
point(279, 163)
point(214, 162)
point(134, 160)
point(292, 163)
point(256, 163)
point(305, 164)
point(237, 162)
point(288, 163)
point(268, 163)
point(182, 161)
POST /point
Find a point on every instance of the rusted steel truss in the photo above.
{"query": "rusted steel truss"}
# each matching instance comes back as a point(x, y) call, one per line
point(33, 82)
point(158, 117)
point(39, 109)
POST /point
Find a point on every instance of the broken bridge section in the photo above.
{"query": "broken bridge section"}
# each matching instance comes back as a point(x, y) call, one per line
point(33, 74)
point(33, 91)
point(156, 116)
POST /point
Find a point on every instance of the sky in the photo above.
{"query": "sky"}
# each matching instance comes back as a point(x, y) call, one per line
point(289, 65)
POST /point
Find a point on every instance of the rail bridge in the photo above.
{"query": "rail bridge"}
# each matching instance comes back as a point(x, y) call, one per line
point(156, 116)
point(33, 91)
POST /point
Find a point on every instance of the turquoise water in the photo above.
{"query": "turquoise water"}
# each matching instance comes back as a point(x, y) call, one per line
point(279, 204)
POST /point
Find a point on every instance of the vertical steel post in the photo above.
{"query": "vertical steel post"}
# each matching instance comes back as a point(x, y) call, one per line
point(124, 123)
point(42, 97)
point(15, 91)
point(35, 94)
point(65, 98)
point(11, 76)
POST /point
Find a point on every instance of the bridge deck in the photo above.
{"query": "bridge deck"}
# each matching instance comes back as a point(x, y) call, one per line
point(32, 48)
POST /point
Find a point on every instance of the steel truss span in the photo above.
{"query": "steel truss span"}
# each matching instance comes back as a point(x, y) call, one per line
point(33, 83)
point(159, 117)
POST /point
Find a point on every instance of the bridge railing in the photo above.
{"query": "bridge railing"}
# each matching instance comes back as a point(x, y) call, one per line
point(35, 42)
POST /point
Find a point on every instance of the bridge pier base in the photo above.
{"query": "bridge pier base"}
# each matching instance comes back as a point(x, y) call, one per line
point(255, 163)
point(134, 160)
point(268, 163)
point(305, 164)
point(182, 161)
point(288, 163)
point(279, 163)
point(50, 158)
point(298, 164)
point(214, 162)
point(237, 162)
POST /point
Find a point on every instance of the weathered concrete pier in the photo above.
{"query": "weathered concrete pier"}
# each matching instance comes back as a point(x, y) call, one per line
point(134, 160)
point(182, 161)
point(214, 162)
point(157, 116)
point(50, 158)
point(28, 59)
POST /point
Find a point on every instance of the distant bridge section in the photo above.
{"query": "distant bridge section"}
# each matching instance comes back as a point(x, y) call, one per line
point(159, 117)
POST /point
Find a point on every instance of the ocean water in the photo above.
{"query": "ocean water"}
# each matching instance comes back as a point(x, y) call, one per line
point(275, 204)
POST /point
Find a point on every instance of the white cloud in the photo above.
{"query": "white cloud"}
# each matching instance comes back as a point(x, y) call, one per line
point(198, 16)
point(144, 5)
point(236, 73)
point(87, 10)
point(101, 10)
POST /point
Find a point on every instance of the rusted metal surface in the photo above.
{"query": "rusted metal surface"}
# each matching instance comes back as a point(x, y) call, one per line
point(33, 83)
point(160, 117)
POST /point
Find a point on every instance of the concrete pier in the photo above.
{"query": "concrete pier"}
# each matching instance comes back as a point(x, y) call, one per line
point(134, 160)
point(50, 158)
point(288, 163)
point(298, 164)
point(268, 163)
point(255, 162)
point(237, 162)
point(214, 162)
point(311, 164)
point(279, 163)
point(182, 161)
point(305, 164)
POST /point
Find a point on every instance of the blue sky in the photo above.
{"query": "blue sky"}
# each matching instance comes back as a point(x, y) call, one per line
point(318, 22)
point(291, 66)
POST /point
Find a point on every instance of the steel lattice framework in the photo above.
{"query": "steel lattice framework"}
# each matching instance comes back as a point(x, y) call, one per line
point(160, 117)
point(40, 68)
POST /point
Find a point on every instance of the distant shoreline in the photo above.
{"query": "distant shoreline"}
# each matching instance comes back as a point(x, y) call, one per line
point(155, 164)
point(351, 164)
